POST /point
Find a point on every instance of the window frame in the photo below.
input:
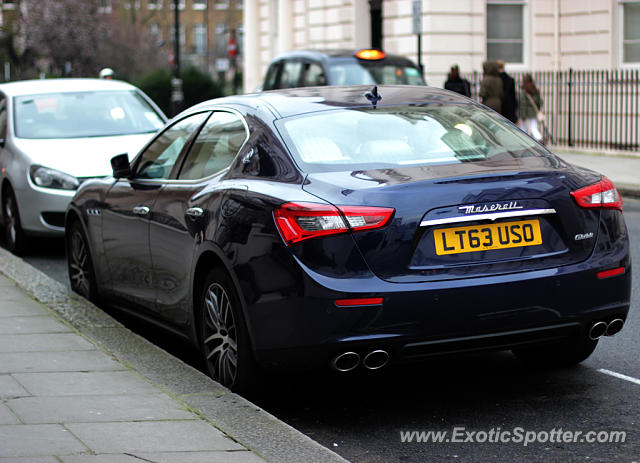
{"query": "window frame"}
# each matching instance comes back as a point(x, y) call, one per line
point(525, 65)
point(179, 159)
point(175, 174)
point(620, 48)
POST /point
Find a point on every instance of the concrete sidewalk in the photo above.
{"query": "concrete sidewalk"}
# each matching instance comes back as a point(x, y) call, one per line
point(623, 171)
point(77, 386)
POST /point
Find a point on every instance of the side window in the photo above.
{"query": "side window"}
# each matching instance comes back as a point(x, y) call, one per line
point(158, 159)
point(272, 76)
point(3, 117)
point(215, 147)
point(313, 75)
point(290, 74)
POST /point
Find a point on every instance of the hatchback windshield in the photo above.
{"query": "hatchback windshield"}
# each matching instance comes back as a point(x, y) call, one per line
point(350, 139)
point(84, 114)
point(372, 72)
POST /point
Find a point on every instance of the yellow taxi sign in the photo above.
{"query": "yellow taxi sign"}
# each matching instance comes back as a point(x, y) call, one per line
point(370, 54)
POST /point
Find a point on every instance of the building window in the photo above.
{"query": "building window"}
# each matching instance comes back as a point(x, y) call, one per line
point(154, 4)
point(128, 4)
point(506, 31)
point(630, 32)
point(239, 4)
point(221, 4)
point(181, 4)
point(221, 43)
point(240, 38)
point(104, 6)
point(200, 39)
point(156, 32)
point(199, 4)
point(9, 4)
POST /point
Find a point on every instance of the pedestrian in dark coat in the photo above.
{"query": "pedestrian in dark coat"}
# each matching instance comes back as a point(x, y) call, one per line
point(509, 101)
point(457, 84)
point(491, 86)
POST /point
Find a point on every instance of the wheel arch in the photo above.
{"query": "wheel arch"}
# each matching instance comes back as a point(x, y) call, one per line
point(212, 257)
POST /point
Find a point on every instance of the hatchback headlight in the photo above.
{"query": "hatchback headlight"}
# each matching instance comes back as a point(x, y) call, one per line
point(51, 178)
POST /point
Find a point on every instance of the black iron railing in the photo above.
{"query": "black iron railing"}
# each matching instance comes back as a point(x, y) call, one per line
point(598, 109)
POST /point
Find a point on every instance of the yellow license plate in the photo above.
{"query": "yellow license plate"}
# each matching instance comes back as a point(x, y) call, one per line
point(486, 237)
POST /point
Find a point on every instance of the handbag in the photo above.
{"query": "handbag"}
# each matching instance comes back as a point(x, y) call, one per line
point(539, 114)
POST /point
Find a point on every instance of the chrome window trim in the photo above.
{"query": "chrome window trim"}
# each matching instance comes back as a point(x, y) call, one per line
point(490, 216)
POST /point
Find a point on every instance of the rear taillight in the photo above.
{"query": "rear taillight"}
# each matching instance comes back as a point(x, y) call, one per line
point(601, 195)
point(300, 221)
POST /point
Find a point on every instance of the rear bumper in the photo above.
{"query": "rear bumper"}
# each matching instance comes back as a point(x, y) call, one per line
point(417, 320)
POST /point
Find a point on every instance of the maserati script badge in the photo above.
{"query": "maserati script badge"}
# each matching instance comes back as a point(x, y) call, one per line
point(490, 207)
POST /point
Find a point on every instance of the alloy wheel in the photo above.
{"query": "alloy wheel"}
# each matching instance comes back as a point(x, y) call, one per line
point(79, 264)
point(10, 219)
point(220, 335)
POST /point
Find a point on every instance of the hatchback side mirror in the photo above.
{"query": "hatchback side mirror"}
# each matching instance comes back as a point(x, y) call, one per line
point(120, 165)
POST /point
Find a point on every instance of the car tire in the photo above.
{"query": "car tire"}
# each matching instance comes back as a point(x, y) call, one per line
point(223, 336)
point(560, 354)
point(79, 263)
point(14, 236)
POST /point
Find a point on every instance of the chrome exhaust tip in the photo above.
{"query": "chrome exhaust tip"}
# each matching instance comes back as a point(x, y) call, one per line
point(614, 326)
point(597, 330)
point(375, 359)
point(346, 361)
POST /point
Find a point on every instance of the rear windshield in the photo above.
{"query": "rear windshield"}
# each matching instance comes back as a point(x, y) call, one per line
point(84, 114)
point(356, 72)
point(387, 137)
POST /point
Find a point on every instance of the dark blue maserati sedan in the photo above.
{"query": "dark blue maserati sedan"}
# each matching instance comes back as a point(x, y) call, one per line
point(351, 227)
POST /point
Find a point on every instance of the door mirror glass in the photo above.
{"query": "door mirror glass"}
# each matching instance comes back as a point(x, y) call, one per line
point(120, 166)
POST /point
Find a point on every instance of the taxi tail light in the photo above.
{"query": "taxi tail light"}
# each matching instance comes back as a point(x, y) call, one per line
point(301, 220)
point(602, 194)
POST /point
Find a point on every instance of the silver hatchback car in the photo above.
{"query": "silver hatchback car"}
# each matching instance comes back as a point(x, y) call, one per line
point(55, 134)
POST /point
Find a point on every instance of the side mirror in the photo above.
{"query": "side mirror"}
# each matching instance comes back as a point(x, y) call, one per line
point(120, 166)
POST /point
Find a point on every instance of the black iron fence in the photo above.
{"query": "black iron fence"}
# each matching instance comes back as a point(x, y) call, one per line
point(590, 109)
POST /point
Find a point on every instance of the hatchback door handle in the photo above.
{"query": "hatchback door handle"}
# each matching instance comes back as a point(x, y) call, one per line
point(195, 212)
point(141, 210)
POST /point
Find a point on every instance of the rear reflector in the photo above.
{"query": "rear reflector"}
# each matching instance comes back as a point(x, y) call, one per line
point(300, 221)
point(601, 195)
point(371, 54)
point(611, 273)
point(359, 301)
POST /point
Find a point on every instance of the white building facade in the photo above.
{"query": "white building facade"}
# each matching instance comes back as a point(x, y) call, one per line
point(529, 35)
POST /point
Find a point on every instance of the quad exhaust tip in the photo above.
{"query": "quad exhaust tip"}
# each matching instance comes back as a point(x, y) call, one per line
point(375, 359)
point(614, 326)
point(346, 361)
point(599, 329)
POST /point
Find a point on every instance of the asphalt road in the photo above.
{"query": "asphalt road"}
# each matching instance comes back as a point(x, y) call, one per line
point(362, 416)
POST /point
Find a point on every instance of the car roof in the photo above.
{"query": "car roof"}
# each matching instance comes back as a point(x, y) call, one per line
point(324, 55)
point(301, 100)
point(31, 87)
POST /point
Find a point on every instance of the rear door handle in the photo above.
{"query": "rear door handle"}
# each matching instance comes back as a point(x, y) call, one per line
point(195, 212)
point(141, 210)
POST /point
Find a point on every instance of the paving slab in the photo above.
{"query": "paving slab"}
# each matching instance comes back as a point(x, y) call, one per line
point(98, 408)
point(48, 459)
point(37, 439)
point(24, 307)
point(41, 362)
point(10, 388)
point(7, 416)
point(32, 325)
point(84, 383)
point(46, 342)
point(152, 436)
point(240, 456)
